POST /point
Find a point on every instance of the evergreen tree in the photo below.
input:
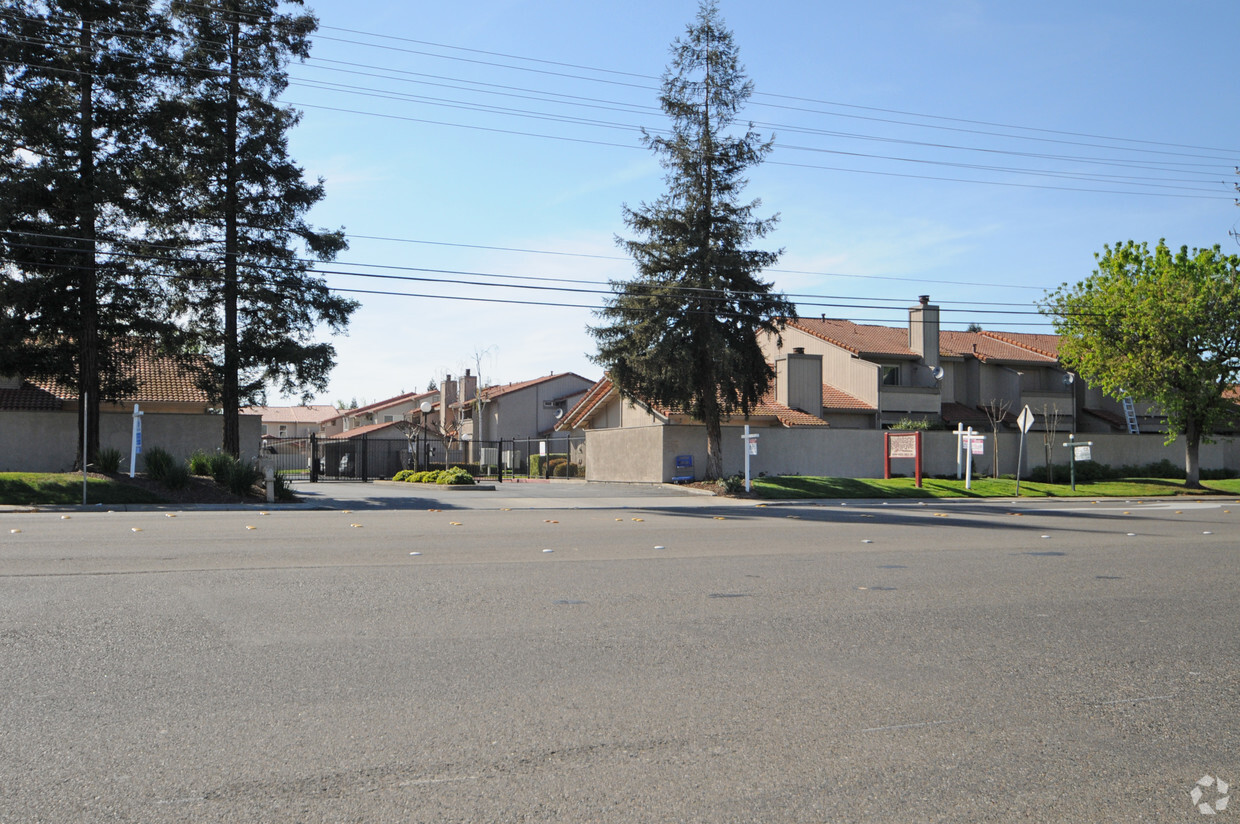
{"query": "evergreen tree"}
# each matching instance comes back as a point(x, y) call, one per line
point(77, 293)
point(682, 333)
point(238, 204)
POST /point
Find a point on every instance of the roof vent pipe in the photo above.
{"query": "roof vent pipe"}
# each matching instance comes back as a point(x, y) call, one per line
point(924, 299)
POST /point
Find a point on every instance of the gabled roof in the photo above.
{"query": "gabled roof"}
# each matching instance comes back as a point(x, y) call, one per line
point(314, 413)
point(596, 394)
point(369, 429)
point(29, 398)
point(833, 398)
point(989, 347)
point(766, 407)
point(160, 379)
point(859, 339)
point(492, 392)
point(1046, 345)
point(384, 404)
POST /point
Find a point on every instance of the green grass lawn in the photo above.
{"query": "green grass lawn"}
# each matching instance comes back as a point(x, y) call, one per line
point(33, 488)
point(786, 487)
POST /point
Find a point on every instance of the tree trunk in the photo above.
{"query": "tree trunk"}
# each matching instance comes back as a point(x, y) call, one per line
point(230, 392)
point(714, 450)
point(1192, 448)
point(88, 285)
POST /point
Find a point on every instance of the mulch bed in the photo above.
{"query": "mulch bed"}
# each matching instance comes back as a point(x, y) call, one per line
point(199, 490)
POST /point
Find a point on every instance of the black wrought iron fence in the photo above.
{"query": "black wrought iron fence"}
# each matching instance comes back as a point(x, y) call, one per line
point(365, 458)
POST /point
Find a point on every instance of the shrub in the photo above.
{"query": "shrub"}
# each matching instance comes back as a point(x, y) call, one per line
point(732, 485)
point(911, 424)
point(455, 477)
point(283, 491)
point(404, 474)
point(220, 466)
point(176, 476)
point(199, 463)
point(242, 477)
point(108, 461)
point(158, 463)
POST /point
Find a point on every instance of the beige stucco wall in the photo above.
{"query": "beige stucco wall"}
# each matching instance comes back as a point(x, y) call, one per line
point(47, 441)
point(618, 455)
point(633, 455)
point(521, 413)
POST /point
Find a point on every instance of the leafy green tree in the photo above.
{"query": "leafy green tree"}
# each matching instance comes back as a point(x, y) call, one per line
point(236, 207)
point(1161, 326)
point(682, 333)
point(77, 290)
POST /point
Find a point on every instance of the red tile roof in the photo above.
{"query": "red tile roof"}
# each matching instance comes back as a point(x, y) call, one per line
point(161, 379)
point(858, 339)
point(988, 348)
point(766, 407)
point(29, 398)
point(1046, 345)
point(369, 429)
point(489, 392)
point(833, 398)
point(399, 399)
point(316, 413)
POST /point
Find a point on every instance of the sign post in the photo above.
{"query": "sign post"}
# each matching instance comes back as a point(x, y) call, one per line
point(974, 444)
point(1078, 451)
point(902, 445)
point(1025, 421)
point(751, 448)
point(135, 441)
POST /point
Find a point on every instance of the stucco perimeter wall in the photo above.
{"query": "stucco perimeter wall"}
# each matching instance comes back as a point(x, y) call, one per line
point(649, 454)
point(47, 441)
point(630, 455)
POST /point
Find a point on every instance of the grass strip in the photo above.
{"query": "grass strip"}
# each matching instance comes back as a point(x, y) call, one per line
point(785, 487)
point(48, 488)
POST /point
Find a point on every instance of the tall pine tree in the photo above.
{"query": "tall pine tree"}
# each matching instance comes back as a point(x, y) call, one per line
point(682, 334)
point(77, 291)
point(237, 207)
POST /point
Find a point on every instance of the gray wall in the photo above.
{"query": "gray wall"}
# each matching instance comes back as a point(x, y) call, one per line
point(638, 455)
point(47, 441)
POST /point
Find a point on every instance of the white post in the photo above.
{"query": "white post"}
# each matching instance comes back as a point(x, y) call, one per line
point(959, 444)
point(968, 459)
point(746, 437)
point(135, 440)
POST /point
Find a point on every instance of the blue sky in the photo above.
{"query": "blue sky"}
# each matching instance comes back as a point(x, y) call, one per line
point(978, 152)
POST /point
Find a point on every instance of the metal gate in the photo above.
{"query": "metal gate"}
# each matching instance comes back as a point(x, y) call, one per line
point(363, 458)
point(337, 459)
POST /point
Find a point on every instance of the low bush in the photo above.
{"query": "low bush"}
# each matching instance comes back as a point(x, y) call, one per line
point(176, 476)
point(158, 463)
point(456, 476)
point(242, 477)
point(220, 466)
point(199, 463)
point(732, 485)
point(283, 491)
point(404, 474)
point(108, 461)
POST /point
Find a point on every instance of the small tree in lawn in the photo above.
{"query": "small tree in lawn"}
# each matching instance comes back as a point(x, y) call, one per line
point(682, 333)
point(1050, 426)
point(996, 411)
point(1162, 326)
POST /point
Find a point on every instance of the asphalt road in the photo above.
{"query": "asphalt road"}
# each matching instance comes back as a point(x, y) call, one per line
point(676, 661)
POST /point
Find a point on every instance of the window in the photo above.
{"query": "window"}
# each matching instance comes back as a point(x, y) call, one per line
point(387, 419)
point(264, 429)
point(283, 430)
point(891, 376)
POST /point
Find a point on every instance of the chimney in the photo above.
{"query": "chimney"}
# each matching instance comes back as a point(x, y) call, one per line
point(798, 381)
point(469, 387)
point(447, 397)
point(923, 331)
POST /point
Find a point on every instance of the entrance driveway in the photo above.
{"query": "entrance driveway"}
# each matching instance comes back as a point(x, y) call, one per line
point(511, 495)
